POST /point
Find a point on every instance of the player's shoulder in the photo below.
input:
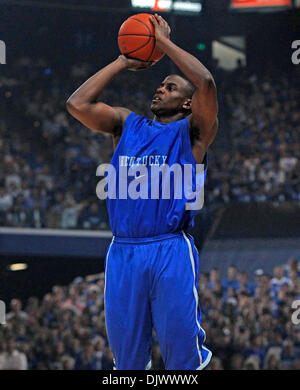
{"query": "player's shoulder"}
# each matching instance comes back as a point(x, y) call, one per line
point(134, 119)
point(127, 115)
point(123, 113)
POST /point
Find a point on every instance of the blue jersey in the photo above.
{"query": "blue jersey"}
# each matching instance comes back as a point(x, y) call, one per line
point(150, 143)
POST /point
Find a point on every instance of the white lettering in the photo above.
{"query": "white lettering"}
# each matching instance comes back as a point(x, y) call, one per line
point(188, 186)
point(108, 182)
point(2, 53)
point(150, 160)
point(296, 314)
point(119, 380)
point(140, 181)
point(296, 54)
point(2, 313)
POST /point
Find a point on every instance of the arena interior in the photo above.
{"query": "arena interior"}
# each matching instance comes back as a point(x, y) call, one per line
point(54, 231)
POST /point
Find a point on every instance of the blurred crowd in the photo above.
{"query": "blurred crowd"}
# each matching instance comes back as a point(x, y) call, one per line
point(250, 325)
point(260, 118)
point(49, 160)
point(247, 319)
point(63, 331)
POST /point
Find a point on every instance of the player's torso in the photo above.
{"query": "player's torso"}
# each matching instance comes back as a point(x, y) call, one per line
point(146, 147)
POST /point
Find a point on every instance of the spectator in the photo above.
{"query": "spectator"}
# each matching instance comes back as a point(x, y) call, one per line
point(272, 362)
point(92, 218)
point(236, 361)
point(288, 355)
point(16, 312)
point(11, 358)
point(67, 363)
point(214, 278)
point(37, 217)
point(107, 361)
point(251, 363)
point(215, 364)
point(278, 280)
point(70, 213)
point(5, 200)
point(87, 359)
point(244, 285)
point(231, 280)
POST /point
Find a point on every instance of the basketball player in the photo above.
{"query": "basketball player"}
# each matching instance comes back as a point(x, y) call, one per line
point(152, 263)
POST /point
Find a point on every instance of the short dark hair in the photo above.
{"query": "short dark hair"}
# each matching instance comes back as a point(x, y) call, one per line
point(190, 86)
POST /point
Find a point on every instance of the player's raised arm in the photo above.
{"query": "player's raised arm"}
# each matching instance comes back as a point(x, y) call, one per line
point(204, 104)
point(98, 116)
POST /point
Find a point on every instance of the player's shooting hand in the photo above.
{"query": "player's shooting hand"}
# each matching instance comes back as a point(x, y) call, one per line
point(134, 65)
point(162, 29)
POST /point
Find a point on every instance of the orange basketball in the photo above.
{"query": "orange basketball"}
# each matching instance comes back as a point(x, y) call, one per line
point(136, 39)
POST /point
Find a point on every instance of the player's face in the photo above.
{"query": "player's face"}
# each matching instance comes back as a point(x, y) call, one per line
point(170, 97)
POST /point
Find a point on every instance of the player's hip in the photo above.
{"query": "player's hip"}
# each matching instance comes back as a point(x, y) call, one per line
point(175, 242)
point(172, 253)
point(147, 240)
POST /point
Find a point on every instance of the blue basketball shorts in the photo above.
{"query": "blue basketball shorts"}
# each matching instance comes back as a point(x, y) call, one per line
point(152, 282)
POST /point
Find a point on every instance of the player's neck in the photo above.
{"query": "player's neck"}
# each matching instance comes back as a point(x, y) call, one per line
point(169, 119)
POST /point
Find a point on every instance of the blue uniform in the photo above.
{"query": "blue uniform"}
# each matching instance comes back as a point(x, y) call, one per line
point(151, 270)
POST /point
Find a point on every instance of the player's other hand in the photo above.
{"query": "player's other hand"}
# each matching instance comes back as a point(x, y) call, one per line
point(162, 29)
point(134, 65)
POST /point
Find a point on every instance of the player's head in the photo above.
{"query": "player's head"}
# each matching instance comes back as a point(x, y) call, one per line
point(174, 95)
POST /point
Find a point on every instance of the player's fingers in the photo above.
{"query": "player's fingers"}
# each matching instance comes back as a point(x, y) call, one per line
point(164, 23)
point(144, 64)
point(143, 67)
point(159, 19)
point(153, 20)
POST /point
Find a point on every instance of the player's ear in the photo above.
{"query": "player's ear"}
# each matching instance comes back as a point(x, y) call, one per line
point(187, 104)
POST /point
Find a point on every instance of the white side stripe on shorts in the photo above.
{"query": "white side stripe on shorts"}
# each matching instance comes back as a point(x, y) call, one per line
point(194, 291)
point(107, 255)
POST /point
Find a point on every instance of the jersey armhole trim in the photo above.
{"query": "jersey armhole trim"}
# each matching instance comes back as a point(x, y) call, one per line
point(125, 125)
point(127, 119)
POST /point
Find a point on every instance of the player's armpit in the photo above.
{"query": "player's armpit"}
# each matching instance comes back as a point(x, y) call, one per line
point(99, 116)
point(202, 143)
